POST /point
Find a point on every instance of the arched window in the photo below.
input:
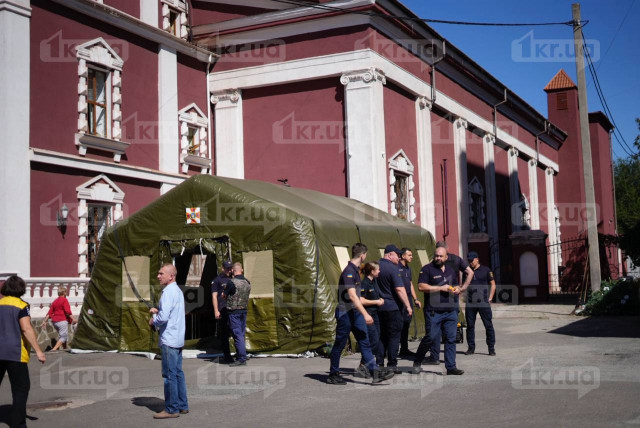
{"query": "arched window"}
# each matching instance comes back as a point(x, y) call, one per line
point(401, 187)
point(477, 220)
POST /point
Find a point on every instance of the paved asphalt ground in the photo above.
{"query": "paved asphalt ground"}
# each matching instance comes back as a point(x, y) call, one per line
point(552, 369)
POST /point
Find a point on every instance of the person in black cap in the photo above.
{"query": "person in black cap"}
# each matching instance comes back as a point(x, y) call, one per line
point(406, 256)
point(218, 287)
point(391, 318)
point(479, 296)
point(351, 317)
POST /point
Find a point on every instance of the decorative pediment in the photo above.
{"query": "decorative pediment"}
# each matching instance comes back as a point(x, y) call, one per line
point(98, 51)
point(193, 115)
point(400, 162)
point(100, 188)
point(476, 187)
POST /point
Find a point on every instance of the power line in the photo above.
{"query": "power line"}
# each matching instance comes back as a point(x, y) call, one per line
point(616, 35)
point(603, 101)
point(418, 19)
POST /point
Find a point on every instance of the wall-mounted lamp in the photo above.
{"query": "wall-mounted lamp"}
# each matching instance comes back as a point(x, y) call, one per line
point(62, 215)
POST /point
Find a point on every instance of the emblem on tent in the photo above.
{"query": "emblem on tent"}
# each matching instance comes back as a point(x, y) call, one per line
point(193, 215)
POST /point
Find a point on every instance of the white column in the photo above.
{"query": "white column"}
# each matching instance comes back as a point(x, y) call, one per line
point(462, 184)
point(15, 169)
point(514, 187)
point(551, 227)
point(149, 12)
point(168, 133)
point(492, 208)
point(229, 141)
point(425, 165)
point(365, 139)
point(533, 194)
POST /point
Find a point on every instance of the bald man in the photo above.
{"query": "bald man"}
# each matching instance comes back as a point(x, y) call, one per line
point(169, 320)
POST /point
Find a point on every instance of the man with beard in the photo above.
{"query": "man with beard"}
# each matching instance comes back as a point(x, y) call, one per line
point(406, 256)
point(441, 310)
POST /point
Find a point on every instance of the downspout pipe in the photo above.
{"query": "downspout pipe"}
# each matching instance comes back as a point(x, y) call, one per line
point(433, 71)
point(208, 67)
point(495, 115)
point(546, 129)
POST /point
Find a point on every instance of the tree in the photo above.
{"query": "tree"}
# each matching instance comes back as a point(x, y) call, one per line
point(627, 176)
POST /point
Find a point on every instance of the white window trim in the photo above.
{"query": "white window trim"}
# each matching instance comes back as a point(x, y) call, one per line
point(180, 7)
point(98, 55)
point(192, 116)
point(400, 163)
point(98, 189)
point(475, 188)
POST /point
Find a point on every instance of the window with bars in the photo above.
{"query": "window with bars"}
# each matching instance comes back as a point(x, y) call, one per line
point(401, 188)
point(194, 141)
point(97, 100)
point(174, 22)
point(99, 218)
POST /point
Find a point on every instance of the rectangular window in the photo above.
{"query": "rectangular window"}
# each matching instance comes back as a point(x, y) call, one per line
point(97, 116)
point(194, 142)
point(174, 23)
point(342, 253)
point(99, 219)
point(424, 257)
point(258, 268)
point(561, 100)
point(401, 188)
point(138, 268)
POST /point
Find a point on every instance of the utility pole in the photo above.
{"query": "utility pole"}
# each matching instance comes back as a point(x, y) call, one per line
point(587, 166)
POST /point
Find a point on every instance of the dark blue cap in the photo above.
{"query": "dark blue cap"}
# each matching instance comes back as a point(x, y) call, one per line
point(472, 255)
point(391, 249)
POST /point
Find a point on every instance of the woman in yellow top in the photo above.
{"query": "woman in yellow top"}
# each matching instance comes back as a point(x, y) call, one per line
point(16, 334)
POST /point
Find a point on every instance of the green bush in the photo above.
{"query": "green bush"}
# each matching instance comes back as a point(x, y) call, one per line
point(621, 297)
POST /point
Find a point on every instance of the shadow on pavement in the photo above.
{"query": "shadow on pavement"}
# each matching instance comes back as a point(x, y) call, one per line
point(154, 404)
point(5, 410)
point(626, 327)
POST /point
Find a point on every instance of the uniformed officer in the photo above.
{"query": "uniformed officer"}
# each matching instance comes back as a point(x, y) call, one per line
point(237, 303)
point(441, 302)
point(479, 296)
point(406, 256)
point(391, 312)
point(218, 285)
point(352, 317)
point(371, 300)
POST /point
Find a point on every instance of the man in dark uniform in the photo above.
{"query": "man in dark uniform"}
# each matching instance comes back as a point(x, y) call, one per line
point(406, 256)
point(441, 308)
point(370, 299)
point(391, 313)
point(218, 286)
point(479, 296)
point(352, 317)
point(237, 297)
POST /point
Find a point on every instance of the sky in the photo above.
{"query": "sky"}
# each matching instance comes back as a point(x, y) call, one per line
point(521, 57)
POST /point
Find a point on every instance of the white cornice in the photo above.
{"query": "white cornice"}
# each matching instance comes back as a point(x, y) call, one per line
point(335, 65)
point(261, 4)
point(119, 19)
point(19, 7)
point(272, 17)
point(76, 162)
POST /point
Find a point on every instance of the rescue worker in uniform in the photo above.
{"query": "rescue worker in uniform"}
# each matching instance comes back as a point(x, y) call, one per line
point(371, 300)
point(479, 296)
point(406, 256)
point(218, 285)
point(237, 301)
point(352, 317)
point(441, 302)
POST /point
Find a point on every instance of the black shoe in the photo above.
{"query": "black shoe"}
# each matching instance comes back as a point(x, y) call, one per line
point(455, 372)
point(336, 379)
point(470, 351)
point(430, 361)
point(362, 371)
point(407, 353)
point(393, 369)
point(238, 363)
point(416, 369)
point(379, 375)
point(226, 360)
point(492, 353)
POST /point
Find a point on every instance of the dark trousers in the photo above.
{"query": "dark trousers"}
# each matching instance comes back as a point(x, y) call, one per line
point(238, 327)
point(390, 331)
point(485, 315)
point(425, 343)
point(347, 322)
point(223, 332)
point(404, 336)
point(20, 384)
point(373, 332)
point(449, 321)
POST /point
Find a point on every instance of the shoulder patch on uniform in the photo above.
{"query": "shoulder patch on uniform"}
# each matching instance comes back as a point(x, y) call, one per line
point(350, 275)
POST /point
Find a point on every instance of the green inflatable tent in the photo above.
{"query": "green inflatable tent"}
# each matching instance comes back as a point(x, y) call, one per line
point(292, 242)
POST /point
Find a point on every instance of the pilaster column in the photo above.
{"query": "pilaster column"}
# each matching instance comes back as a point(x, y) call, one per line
point(554, 254)
point(489, 142)
point(149, 12)
point(533, 194)
point(462, 194)
point(229, 141)
point(168, 134)
point(15, 168)
point(425, 164)
point(365, 139)
point(514, 187)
